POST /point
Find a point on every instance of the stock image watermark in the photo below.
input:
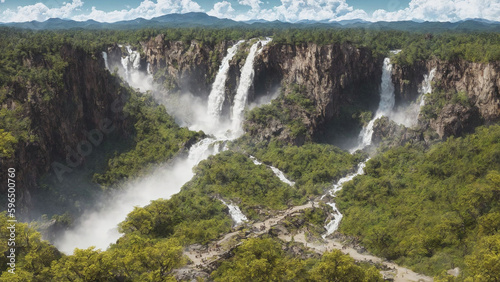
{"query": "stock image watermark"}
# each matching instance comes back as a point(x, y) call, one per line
point(93, 138)
point(11, 219)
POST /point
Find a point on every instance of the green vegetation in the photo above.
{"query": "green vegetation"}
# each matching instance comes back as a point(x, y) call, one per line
point(262, 259)
point(157, 139)
point(313, 167)
point(436, 100)
point(431, 209)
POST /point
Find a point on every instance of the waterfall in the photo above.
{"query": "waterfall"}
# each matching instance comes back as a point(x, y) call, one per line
point(426, 86)
point(276, 172)
point(385, 106)
point(235, 213)
point(131, 64)
point(105, 57)
point(217, 95)
point(333, 225)
point(246, 80)
point(98, 227)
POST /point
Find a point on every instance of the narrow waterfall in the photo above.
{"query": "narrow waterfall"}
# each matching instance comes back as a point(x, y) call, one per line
point(385, 105)
point(235, 213)
point(105, 57)
point(217, 95)
point(246, 80)
point(276, 172)
point(333, 225)
point(426, 87)
point(133, 75)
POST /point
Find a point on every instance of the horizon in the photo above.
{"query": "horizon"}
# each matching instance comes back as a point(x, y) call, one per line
point(254, 10)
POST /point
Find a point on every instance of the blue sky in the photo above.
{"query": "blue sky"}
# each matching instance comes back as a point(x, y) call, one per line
point(284, 10)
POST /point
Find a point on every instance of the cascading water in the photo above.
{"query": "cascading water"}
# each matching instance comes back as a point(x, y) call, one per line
point(333, 225)
point(276, 172)
point(161, 183)
point(235, 213)
point(132, 74)
point(99, 227)
point(217, 95)
point(246, 81)
point(385, 105)
point(105, 57)
point(426, 86)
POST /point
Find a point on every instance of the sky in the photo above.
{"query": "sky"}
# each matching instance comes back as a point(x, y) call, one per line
point(242, 10)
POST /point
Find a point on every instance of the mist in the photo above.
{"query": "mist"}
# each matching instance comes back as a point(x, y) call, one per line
point(99, 227)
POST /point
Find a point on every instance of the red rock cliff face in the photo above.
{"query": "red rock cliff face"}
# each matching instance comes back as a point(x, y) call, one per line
point(88, 101)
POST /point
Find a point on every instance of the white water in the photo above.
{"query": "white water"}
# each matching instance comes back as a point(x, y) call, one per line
point(333, 225)
point(246, 81)
point(132, 74)
point(217, 95)
point(235, 213)
point(426, 86)
point(408, 116)
point(276, 172)
point(105, 57)
point(385, 105)
point(98, 227)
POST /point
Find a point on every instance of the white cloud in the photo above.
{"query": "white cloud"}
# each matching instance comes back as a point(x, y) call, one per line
point(146, 9)
point(442, 10)
point(297, 10)
point(287, 10)
point(40, 12)
point(254, 4)
point(2, 1)
point(222, 9)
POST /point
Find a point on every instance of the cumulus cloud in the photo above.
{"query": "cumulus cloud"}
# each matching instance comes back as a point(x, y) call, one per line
point(442, 10)
point(297, 10)
point(254, 4)
point(222, 9)
point(40, 12)
point(146, 9)
point(287, 10)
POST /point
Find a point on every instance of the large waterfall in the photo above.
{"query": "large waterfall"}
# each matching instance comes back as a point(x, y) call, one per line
point(98, 227)
point(218, 94)
point(385, 105)
point(246, 81)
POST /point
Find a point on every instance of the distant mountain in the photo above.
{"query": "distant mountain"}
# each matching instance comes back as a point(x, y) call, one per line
point(204, 20)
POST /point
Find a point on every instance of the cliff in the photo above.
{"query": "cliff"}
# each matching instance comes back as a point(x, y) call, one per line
point(479, 81)
point(70, 124)
point(333, 77)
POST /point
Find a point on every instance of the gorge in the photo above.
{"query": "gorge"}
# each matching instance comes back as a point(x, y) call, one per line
point(173, 148)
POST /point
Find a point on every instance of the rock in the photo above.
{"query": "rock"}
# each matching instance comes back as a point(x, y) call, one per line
point(454, 271)
point(455, 120)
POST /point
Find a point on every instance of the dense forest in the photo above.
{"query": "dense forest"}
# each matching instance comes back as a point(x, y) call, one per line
point(429, 205)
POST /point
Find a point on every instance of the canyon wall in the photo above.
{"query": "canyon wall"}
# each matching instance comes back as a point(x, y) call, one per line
point(86, 104)
point(479, 81)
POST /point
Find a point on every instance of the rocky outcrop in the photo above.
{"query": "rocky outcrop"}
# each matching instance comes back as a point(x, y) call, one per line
point(481, 82)
point(191, 67)
point(407, 81)
point(455, 120)
point(67, 126)
point(331, 76)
